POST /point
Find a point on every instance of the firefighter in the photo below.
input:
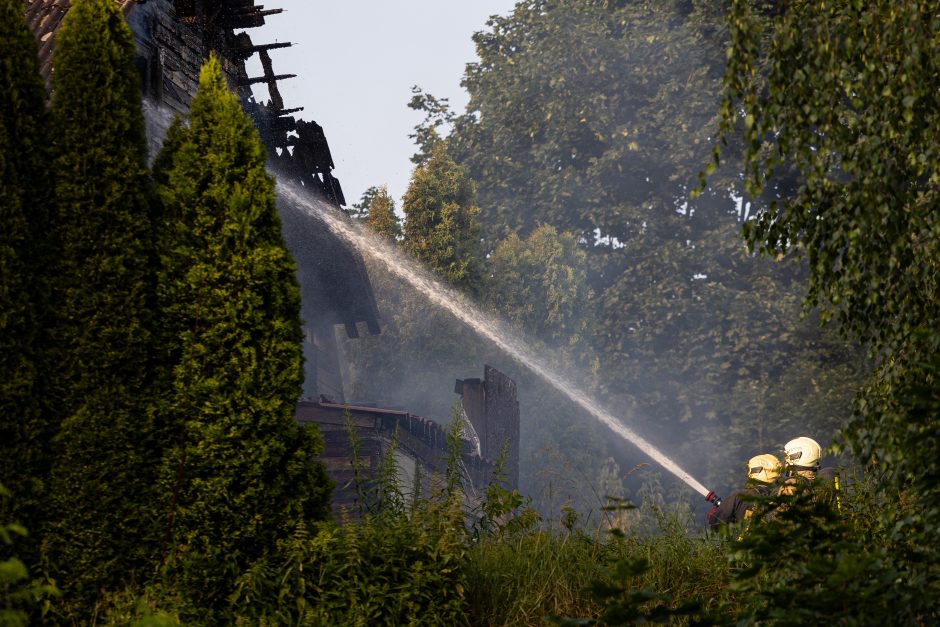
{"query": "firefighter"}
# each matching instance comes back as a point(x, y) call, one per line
point(801, 458)
point(762, 471)
point(831, 481)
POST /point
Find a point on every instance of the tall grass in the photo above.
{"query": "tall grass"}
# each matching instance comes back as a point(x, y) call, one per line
point(524, 579)
point(532, 577)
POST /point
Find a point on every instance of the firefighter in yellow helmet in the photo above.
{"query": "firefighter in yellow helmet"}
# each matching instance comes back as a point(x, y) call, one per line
point(762, 472)
point(801, 459)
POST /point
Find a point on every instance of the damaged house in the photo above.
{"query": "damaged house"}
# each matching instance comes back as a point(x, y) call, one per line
point(173, 38)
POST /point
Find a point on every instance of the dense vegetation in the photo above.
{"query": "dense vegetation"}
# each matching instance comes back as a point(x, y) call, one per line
point(587, 125)
point(24, 202)
point(149, 367)
point(100, 362)
point(843, 97)
point(156, 443)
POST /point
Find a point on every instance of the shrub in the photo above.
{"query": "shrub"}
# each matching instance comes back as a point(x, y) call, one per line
point(18, 595)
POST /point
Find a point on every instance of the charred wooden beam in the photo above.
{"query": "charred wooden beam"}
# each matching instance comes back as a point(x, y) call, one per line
point(334, 192)
point(280, 44)
point(251, 18)
point(265, 79)
point(276, 100)
point(245, 49)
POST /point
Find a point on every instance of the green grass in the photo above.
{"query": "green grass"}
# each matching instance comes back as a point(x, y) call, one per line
point(531, 577)
point(522, 580)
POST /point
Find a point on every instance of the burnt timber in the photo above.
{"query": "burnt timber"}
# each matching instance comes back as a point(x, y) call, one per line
point(490, 406)
point(173, 38)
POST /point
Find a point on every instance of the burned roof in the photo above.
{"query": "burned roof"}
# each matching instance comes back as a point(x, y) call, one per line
point(44, 18)
point(173, 37)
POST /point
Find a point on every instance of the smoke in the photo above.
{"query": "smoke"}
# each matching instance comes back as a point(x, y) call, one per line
point(423, 381)
point(483, 324)
point(157, 121)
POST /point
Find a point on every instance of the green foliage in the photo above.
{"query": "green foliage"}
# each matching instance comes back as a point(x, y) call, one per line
point(360, 210)
point(593, 118)
point(849, 99)
point(437, 114)
point(379, 491)
point(155, 605)
point(825, 561)
point(18, 595)
point(25, 431)
point(624, 604)
point(522, 579)
point(658, 577)
point(590, 115)
point(441, 227)
point(845, 94)
point(413, 362)
point(586, 123)
point(401, 571)
point(528, 578)
point(397, 564)
point(241, 474)
point(381, 216)
point(101, 495)
point(540, 284)
point(504, 512)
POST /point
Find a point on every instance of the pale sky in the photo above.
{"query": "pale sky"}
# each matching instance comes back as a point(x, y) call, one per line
point(356, 61)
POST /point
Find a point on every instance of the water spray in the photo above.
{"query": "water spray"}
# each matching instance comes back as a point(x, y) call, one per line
point(483, 324)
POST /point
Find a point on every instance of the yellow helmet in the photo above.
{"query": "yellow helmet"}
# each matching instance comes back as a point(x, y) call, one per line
point(763, 468)
point(803, 452)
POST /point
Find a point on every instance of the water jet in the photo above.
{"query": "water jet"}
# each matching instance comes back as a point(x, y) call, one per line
point(484, 324)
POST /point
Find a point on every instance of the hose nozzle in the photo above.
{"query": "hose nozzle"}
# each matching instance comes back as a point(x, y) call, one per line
point(711, 497)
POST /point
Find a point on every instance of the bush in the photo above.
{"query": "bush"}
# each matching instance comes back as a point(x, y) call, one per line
point(522, 579)
point(527, 578)
point(819, 560)
point(400, 564)
point(18, 594)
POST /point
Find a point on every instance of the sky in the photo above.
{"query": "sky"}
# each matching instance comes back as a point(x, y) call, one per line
point(356, 61)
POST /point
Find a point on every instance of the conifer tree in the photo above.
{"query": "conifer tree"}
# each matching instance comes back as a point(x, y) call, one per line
point(441, 227)
point(359, 211)
point(104, 293)
point(242, 474)
point(381, 217)
point(24, 182)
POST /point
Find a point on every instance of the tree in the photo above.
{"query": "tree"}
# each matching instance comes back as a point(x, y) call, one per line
point(241, 474)
point(594, 118)
point(359, 211)
point(437, 114)
point(413, 361)
point(441, 227)
point(25, 432)
point(591, 116)
point(858, 119)
point(540, 284)
point(845, 94)
point(381, 217)
point(102, 529)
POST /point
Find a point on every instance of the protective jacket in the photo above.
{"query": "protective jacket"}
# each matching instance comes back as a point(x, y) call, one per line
point(796, 477)
point(735, 509)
